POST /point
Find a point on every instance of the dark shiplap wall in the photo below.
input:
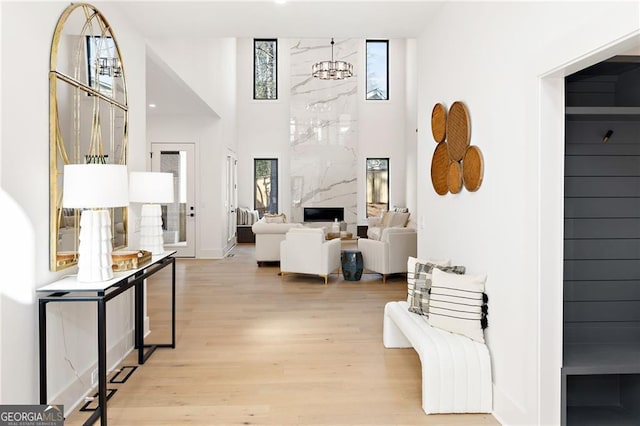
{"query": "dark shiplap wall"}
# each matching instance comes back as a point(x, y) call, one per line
point(602, 231)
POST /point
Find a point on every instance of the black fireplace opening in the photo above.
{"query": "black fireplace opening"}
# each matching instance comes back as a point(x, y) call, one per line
point(323, 214)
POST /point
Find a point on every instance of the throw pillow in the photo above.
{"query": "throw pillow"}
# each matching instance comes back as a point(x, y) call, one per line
point(422, 288)
point(400, 209)
point(386, 218)
point(398, 219)
point(411, 273)
point(275, 218)
point(456, 303)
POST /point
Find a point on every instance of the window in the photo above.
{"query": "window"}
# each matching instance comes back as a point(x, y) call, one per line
point(265, 69)
point(377, 186)
point(265, 172)
point(102, 63)
point(378, 70)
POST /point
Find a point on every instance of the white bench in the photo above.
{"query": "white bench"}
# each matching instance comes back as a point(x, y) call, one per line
point(456, 370)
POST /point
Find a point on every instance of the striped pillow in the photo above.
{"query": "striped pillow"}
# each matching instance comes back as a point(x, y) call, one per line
point(411, 276)
point(456, 303)
point(422, 286)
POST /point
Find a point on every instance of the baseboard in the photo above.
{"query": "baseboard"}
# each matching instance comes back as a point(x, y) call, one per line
point(507, 411)
point(82, 385)
point(211, 254)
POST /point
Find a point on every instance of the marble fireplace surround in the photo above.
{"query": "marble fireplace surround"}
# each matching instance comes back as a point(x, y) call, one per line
point(323, 131)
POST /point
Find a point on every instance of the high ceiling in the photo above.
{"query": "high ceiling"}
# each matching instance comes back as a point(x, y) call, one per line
point(293, 18)
point(266, 18)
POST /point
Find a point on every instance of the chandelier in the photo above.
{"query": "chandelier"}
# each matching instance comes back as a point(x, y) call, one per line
point(332, 70)
point(110, 67)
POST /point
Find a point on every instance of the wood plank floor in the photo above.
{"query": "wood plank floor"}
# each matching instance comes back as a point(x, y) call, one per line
point(255, 348)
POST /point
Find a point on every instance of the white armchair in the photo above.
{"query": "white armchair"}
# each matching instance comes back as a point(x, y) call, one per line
point(389, 255)
point(305, 251)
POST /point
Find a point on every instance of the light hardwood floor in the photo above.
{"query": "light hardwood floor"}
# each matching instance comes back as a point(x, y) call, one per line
point(255, 348)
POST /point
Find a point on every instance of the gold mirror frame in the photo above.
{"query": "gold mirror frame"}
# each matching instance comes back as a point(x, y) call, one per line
point(88, 118)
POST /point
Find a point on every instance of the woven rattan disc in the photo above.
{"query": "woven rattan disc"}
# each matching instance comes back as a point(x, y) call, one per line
point(458, 131)
point(454, 177)
point(472, 168)
point(440, 169)
point(439, 122)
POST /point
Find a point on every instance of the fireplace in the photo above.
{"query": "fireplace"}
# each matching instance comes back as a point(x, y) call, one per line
point(323, 214)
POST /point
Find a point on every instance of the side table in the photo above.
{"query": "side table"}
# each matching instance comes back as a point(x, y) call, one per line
point(70, 290)
point(362, 231)
point(352, 265)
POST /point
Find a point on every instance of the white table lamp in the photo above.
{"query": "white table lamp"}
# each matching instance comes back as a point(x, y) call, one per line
point(151, 188)
point(95, 187)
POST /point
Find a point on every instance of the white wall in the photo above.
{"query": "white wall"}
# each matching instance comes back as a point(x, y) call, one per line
point(411, 126)
point(203, 132)
point(382, 127)
point(2, 206)
point(25, 161)
point(263, 126)
point(493, 62)
point(208, 66)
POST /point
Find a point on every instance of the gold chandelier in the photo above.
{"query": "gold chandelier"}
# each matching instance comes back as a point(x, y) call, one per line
point(332, 70)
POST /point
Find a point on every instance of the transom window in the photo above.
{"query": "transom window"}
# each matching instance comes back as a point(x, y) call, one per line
point(377, 70)
point(265, 69)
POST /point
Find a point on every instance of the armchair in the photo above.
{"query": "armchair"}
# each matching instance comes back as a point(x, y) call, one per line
point(389, 254)
point(393, 218)
point(305, 251)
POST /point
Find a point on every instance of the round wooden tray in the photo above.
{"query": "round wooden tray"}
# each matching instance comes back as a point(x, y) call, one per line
point(454, 177)
point(473, 168)
point(458, 131)
point(439, 122)
point(440, 169)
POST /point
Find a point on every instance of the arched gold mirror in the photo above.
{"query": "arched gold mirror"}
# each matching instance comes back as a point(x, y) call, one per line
point(88, 117)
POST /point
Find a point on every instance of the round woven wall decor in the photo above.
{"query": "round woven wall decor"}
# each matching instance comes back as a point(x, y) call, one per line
point(440, 169)
point(439, 122)
point(473, 168)
point(458, 131)
point(454, 177)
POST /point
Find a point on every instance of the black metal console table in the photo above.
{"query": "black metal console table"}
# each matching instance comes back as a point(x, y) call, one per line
point(68, 289)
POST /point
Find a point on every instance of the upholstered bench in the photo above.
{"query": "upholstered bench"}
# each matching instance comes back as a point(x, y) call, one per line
point(456, 370)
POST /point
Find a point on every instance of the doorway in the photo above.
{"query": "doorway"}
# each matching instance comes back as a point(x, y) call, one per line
point(601, 244)
point(179, 217)
point(231, 198)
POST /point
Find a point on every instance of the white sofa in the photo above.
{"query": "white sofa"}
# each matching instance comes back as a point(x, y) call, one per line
point(389, 254)
point(391, 219)
point(268, 238)
point(305, 251)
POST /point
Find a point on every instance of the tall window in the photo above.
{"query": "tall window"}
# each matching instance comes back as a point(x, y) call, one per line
point(378, 70)
point(265, 69)
point(377, 186)
point(265, 196)
point(102, 63)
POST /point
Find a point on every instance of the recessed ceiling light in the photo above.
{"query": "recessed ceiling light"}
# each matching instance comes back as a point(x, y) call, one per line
point(152, 105)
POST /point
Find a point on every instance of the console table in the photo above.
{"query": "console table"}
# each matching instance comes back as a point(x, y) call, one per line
point(68, 289)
